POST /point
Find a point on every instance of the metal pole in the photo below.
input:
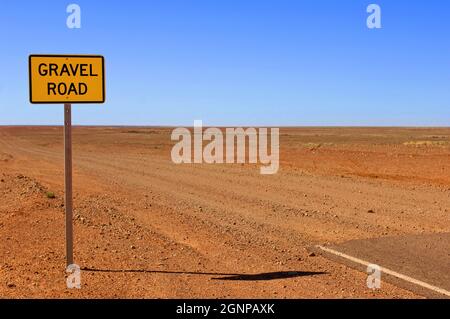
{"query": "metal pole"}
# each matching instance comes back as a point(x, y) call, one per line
point(68, 181)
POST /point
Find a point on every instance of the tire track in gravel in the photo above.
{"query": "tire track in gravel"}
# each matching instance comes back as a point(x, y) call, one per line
point(219, 195)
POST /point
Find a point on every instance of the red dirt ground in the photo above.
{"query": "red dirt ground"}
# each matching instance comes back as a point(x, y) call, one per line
point(147, 228)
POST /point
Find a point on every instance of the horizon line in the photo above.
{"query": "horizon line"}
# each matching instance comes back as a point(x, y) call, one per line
point(226, 126)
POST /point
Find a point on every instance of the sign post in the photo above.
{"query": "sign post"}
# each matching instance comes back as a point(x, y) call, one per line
point(68, 181)
point(67, 79)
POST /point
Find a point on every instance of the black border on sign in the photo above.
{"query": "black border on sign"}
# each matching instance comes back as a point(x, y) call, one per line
point(67, 56)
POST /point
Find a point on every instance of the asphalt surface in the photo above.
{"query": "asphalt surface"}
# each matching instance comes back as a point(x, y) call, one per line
point(424, 258)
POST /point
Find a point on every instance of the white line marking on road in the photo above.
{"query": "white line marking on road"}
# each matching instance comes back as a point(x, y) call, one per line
point(388, 271)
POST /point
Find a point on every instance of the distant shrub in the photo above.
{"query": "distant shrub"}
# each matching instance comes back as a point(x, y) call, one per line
point(50, 195)
point(426, 143)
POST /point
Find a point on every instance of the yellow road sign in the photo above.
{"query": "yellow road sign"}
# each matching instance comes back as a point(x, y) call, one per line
point(67, 79)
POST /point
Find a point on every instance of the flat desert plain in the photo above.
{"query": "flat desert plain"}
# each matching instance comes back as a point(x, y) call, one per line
point(148, 228)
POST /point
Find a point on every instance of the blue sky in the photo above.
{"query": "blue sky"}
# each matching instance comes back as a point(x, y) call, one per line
point(238, 62)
